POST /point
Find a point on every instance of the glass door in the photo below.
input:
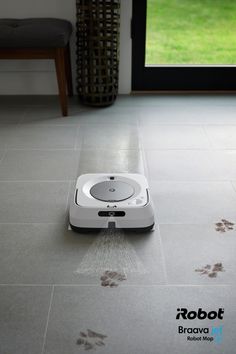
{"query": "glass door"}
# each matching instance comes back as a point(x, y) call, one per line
point(184, 45)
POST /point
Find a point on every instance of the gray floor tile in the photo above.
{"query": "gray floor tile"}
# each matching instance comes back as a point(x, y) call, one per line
point(40, 253)
point(23, 317)
point(2, 153)
point(116, 281)
point(114, 115)
point(234, 184)
point(39, 165)
point(220, 114)
point(109, 160)
point(188, 114)
point(192, 165)
point(36, 136)
point(136, 320)
point(11, 114)
point(189, 165)
point(174, 115)
point(191, 247)
point(52, 115)
point(225, 164)
point(193, 202)
point(33, 202)
point(174, 137)
point(222, 136)
point(82, 114)
point(109, 136)
point(5, 131)
point(138, 256)
point(59, 256)
point(115, 109)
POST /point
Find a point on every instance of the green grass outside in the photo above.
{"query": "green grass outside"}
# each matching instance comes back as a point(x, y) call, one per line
point(191, 32)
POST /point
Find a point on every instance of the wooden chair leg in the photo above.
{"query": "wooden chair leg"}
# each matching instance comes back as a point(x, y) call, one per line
point(61, 78)
point(68, 71)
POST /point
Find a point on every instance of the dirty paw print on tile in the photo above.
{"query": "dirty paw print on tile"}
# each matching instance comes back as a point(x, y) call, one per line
point(90, 340)
point(112, 279)
point(211, 270)
point(224, 225)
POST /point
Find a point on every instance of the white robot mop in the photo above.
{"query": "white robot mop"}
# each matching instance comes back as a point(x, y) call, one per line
point(111, 201)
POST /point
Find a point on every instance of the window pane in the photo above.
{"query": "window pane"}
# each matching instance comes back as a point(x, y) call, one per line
point(191, 32)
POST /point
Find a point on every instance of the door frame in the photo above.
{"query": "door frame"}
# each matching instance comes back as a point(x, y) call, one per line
point(172, 78)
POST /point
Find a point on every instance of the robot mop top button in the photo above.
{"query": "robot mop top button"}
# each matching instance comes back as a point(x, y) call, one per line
point(112, 191)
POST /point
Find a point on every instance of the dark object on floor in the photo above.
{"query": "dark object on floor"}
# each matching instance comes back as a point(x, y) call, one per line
point(224, 225)
point(211, 270)
point(91, 339)
point(40, 38)
point(98, 26)
point(112, 279)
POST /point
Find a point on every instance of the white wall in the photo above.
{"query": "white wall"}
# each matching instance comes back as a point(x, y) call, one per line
point(38, 77)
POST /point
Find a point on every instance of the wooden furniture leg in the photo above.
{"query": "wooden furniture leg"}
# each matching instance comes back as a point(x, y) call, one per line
point(61, 78)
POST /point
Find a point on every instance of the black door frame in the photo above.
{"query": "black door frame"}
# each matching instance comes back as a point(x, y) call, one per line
point(172, 78)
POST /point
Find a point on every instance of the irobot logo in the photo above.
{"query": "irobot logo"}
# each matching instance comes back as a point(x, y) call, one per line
point(185, 314)
point(201, 334)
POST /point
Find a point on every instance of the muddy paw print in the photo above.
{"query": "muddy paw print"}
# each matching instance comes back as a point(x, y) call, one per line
point(224, 225)
point(211, 270)
point(91, 340)
point(112, 279)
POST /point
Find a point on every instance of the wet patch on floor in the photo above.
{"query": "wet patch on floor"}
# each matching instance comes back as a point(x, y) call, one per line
point(112, 279)
point(211, 270)
point(224, 225)
point(111, 250)
point(90, 340)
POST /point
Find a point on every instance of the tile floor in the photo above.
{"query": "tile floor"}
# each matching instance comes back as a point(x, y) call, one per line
point(68, 293)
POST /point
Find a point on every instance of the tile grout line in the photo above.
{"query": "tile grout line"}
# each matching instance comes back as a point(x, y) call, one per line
point(68, 196)
point(47, 322)
point(193, 181)
point(140, 135)
point(79, 154)
point(142, 151)
point(26, 285)
point(36, 180)
point(22, 114)
point(86, 149)
point(3, 155)
point(195, 124)
point(212, 148)
point(148, 171)
point(77, 138)
point(232, 184)
point(163, 258)
point(123, 285)
point(33, 223)
point(25, 111)
point(146, 165)
point(71, 149)
point(9, 148)
point(180, 149)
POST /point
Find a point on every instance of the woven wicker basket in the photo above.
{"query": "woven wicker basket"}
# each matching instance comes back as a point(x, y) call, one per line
point(98, 24)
